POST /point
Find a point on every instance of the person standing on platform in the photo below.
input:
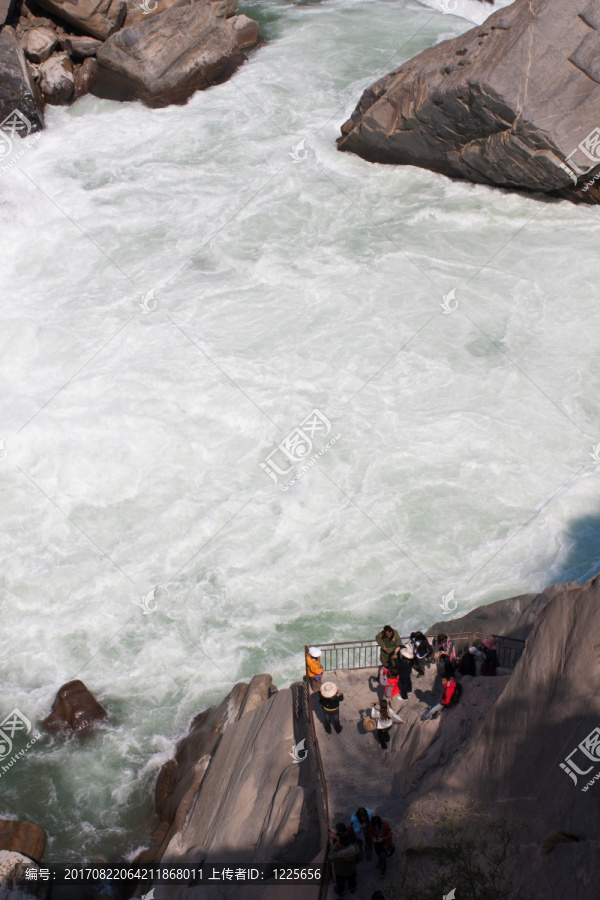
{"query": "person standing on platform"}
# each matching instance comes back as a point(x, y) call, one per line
point(388, 640)
point(314, 669)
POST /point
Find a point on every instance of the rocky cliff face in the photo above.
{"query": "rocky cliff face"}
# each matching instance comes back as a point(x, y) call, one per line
point(232, 793)
point(537, 752)
point(513, 103)
point(513, 617)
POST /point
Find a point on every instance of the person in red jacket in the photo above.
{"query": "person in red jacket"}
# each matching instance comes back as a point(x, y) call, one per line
point(450, 687)
point(381, 835)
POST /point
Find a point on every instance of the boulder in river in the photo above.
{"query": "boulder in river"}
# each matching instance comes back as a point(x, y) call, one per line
point(96, 17)
point(39, 44)
point(81, 47)
point(22, 837)
point(56, 80)
point(186, 48)
point(75, 709)
point(513, 103)
point(83, 76)
point(20, 101)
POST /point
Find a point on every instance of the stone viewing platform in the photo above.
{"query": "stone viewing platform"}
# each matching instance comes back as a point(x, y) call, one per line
point(357, 772)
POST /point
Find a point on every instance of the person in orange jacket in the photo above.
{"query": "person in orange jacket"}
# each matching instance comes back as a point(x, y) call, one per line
point(314, 669)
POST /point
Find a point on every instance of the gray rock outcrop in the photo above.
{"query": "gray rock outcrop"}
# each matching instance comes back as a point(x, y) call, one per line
point(98, 18)
point(18, 91)
point(39, 44)
point(536, 756)
point(512, 103)
point(188, 47)
point(513, 617)
point(233, 794)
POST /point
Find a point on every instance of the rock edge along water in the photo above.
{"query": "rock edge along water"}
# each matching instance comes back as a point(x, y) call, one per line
point(513, 103)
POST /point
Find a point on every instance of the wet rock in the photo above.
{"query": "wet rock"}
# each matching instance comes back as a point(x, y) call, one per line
point(245, 31)
point(83, 76)
point(56, 80)
point(81, 47)
point(74, 710)
point(22, 837)
point(513, 103)
point(18, 90)
point(39, 44)
point(99, 18)
point(166, 59)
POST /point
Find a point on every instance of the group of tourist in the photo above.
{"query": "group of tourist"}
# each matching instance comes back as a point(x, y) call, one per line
point(367, 835)
point(398, 662)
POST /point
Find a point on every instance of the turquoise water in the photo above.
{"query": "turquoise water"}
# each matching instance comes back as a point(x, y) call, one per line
point(283, 282)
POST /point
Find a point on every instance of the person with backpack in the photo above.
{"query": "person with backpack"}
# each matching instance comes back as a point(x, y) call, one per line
point(489, 663)
point(446, 646)
point(381, 835)
point(404, 658)
point(360, 821)
point(422, 650)
point(385, 718)
point(450, 697)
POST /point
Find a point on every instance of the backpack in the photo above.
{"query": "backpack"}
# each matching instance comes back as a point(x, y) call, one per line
point(456, 695)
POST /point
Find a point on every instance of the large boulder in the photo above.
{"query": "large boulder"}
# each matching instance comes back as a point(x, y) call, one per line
point(81, 47)
point(39, 44)
point(186, 48)
point(21, 108)
point(512, 103)
point(56, 80)
point(83, 77)
point(23, 837)
point(96, 17)
point(75, 710)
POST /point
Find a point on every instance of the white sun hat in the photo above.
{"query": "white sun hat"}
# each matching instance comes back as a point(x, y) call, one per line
point(314, 651)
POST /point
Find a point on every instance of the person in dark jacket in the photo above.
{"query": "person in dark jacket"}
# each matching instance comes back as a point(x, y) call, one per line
point(381, 835)
point(422, 650)
point(360, 821)
point(467, 664)
point(403, 662)
point(343, 856)
point(489, 663)
point(330, 699)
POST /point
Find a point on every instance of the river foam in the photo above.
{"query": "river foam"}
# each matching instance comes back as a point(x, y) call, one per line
point(287, 277)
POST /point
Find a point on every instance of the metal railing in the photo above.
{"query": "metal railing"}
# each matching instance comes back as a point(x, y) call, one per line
point(365, 654)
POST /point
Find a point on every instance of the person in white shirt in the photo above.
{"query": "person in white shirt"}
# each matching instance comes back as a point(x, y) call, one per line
point(385, 718)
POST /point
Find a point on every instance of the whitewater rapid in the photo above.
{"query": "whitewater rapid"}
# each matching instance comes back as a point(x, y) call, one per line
point(181, 289)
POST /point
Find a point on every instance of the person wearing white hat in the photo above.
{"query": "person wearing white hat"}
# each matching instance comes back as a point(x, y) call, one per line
point(404, 658)
point(314, 669)
point(330, 699)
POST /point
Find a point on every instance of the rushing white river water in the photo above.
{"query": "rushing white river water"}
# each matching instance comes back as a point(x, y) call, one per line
point(284, 280)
